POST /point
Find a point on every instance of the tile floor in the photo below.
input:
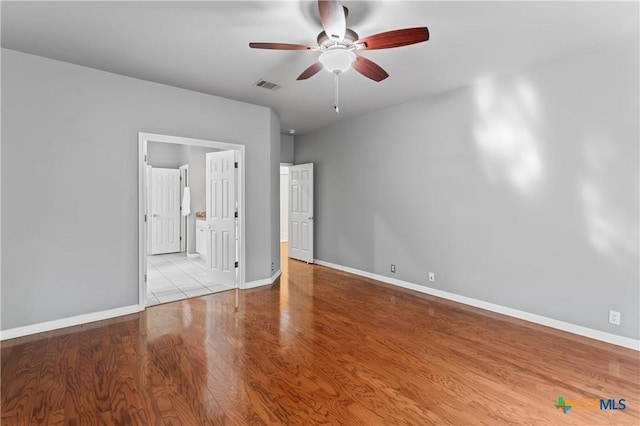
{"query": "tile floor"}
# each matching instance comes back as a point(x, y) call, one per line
point(175, 276)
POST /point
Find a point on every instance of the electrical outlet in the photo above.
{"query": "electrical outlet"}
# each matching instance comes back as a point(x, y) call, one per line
point(393, 268)
point(432, 277)
point(614, 317)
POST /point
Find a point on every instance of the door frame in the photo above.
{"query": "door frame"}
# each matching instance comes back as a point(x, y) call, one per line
point(143, 140)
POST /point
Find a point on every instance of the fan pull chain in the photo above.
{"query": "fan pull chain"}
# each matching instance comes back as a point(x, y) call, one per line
point(335, 104)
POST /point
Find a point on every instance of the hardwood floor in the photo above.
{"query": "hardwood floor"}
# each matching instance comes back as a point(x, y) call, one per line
point(318, 347)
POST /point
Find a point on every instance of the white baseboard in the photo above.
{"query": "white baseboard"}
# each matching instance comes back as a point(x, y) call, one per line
point(515, 313)
point(102, 315)
point(67, 322)
point(260, 283)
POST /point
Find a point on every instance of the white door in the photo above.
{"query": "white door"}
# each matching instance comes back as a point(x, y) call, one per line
point(221, 216)
point(284, 203)
point(184, 183)
point(165, 210)
point(301, 212)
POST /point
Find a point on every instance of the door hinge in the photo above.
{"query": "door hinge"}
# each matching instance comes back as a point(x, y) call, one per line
point(180, 238)
point(235, 165)
point(145, 278)
point(145, 158)
point(236, 264)
point(145, 217)
point(236, 214)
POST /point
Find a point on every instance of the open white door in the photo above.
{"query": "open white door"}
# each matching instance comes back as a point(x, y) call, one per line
point(184, 214)
point(301, 212)
point(221, 216)
point(165, 211)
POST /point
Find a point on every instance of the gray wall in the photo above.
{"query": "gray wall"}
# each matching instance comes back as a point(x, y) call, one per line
point(166, 155)
point(520, 191)
point(70, 185)
point(286, 149)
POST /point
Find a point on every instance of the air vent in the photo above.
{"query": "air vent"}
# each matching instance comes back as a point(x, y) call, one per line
point(267, 85)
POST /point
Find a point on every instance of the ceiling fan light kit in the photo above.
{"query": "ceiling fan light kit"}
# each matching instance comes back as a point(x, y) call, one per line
point(337, 60)
point(338, 43)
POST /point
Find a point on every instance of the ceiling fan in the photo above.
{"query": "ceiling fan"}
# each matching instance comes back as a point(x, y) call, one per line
point(338, 43)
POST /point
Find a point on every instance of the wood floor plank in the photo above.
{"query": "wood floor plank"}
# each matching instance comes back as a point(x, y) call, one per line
point(49, 408)
point(20, 396)
point(318, 347)
point(81, 406)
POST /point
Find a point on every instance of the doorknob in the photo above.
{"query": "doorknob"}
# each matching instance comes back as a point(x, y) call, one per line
point(310, 218)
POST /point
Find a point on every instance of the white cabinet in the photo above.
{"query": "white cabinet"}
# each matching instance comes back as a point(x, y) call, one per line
point(201, 237)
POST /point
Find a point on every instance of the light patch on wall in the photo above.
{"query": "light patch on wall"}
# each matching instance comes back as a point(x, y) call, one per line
point(602, 231)
point(505, 135)
point(610, 230)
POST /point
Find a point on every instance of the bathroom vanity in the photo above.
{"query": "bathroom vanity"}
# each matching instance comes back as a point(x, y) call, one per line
point(201, 237)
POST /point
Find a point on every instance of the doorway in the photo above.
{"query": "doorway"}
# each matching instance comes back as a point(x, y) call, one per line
point(180, 262)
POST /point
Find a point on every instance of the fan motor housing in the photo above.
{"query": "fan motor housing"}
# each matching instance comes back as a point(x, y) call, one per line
point(349, 41)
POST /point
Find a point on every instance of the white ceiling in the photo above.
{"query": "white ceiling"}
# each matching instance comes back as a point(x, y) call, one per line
point(203, 46)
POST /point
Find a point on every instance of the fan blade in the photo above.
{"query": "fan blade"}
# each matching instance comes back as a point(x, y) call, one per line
point(332, 16)
point(311, 71)
point(280, 46)
point(395, 38)
point(369, 69)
